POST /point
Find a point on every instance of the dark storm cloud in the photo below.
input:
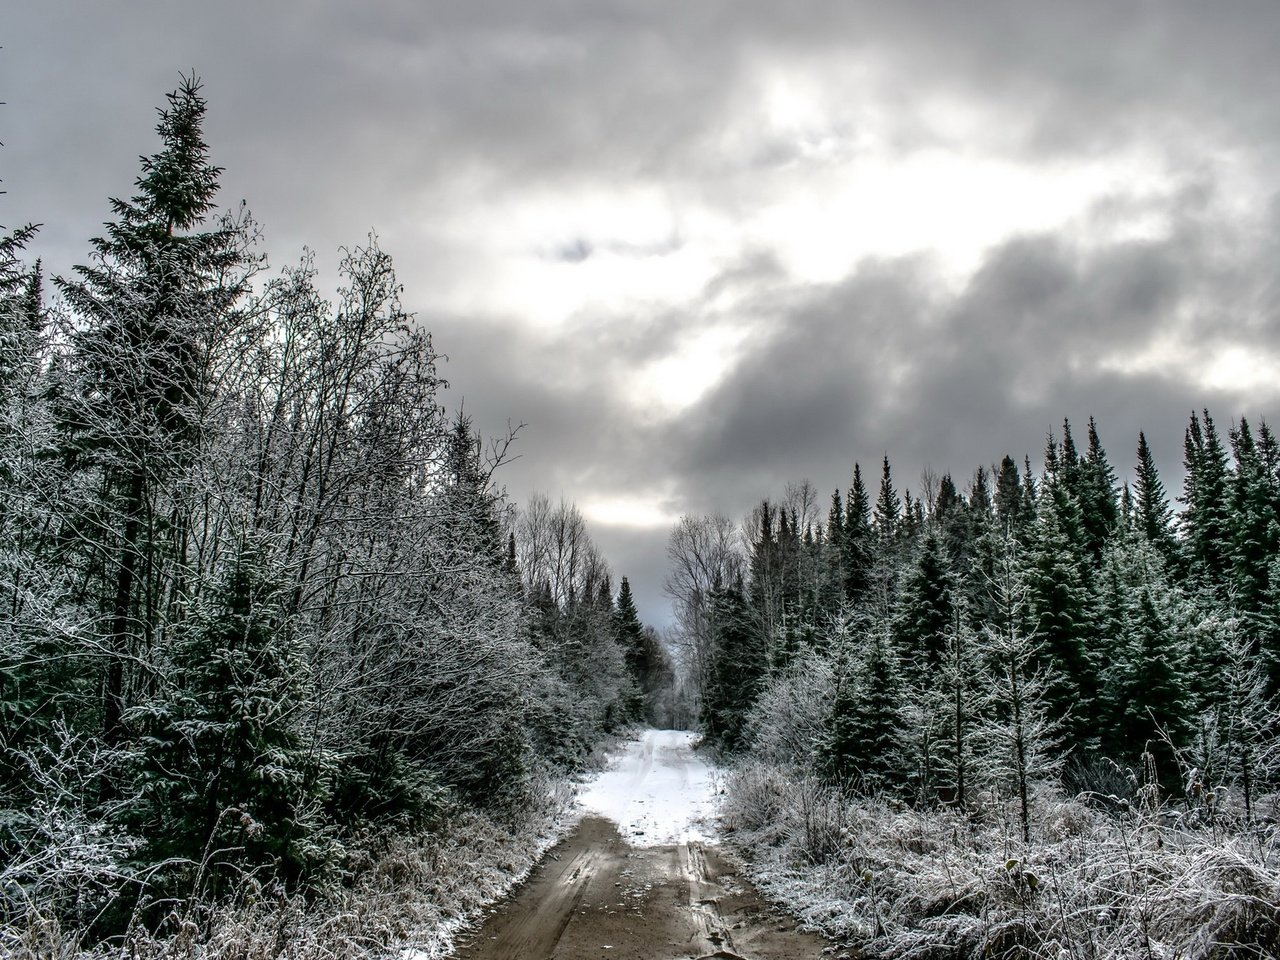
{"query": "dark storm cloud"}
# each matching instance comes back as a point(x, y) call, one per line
point(886, 361)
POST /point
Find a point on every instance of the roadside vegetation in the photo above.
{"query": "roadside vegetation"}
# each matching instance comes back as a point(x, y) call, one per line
point(281, 667)
point(1036, 717)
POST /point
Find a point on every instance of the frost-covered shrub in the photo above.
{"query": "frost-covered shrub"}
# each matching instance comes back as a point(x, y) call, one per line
point(61, 855)
point(939, 883)
point(404, 892)
point(788, 717)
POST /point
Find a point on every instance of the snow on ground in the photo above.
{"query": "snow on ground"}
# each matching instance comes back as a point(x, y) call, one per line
point(656, 790)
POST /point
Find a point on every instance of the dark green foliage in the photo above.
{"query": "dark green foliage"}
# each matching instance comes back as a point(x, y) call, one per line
point(862, 746)
point(856, 549)
point(1255, 537)
point(888, 510)
point(1144, 687)
point(1096, 492)
point(1009, 505)
point(155, 305)
point(1047, 620)
point(261, 598)
point(738, 662)
point(1205, 521)
point(225, 778)
point(1152, 515)
point(925, 611)
point(1059, 600)
point(645, 659)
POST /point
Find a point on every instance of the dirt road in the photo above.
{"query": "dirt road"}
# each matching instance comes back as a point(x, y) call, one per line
point(641, 878)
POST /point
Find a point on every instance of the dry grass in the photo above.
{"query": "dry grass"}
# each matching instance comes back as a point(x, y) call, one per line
point(1093, 885)
point(415, 894)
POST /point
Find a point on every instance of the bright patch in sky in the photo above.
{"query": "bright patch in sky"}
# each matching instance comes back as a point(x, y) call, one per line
point(816, 182)
point(628, 511)
point(1236, 368)
point(680, 379)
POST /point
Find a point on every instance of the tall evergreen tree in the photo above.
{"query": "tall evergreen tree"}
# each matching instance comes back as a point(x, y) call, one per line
point(862, 745)
point(1152, 515)
point(858, 548)
point(925, 611)
point(888, 510)
point(1057, 590)
point(738, 663)
point(1144, 690)
point(1097, 495)
point(156, 302)
point(635, 649)
point(1205, 520)
point(1020, 727)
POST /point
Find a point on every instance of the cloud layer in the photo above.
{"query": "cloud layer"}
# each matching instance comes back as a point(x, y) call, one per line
point(704, 249)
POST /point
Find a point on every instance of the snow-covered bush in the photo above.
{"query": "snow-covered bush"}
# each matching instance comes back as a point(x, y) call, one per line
point(938, 883)
point(789, 715)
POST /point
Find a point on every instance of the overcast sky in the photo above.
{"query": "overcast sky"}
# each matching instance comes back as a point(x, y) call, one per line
point(703, 248)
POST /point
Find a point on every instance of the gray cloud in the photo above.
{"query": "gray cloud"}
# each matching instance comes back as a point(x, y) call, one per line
point(425, 120)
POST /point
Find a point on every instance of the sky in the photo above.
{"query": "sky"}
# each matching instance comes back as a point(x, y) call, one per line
point(701, 249)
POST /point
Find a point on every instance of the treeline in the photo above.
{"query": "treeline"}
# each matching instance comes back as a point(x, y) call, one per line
point(260, 598)
point(967, 644)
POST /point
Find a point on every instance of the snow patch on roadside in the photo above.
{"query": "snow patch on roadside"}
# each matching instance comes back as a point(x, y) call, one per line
point(657, 791)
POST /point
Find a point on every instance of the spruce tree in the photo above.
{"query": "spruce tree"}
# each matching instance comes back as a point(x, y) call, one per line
point(1150, 505)
point(959, 700)
point(925, 611)
point(1205, 521)
point(154, 303)
point(862, 744)
point(888, 510)
point(1097, 496)
point(737, 665)
point(1020, 722)
point(636, 653)
point(1255, 538)
point(1144, 689)
point(224, 767)
point(858, 548)
point(1059, 597)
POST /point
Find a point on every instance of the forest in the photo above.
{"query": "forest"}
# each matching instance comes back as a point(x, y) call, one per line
point(266, 612)
point(1037, 712)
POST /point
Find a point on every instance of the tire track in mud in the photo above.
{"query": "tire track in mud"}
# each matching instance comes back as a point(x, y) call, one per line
point(602, 893)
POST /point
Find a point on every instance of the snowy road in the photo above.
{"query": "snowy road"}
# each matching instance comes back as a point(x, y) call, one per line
point(641, 878)
point(656, 791)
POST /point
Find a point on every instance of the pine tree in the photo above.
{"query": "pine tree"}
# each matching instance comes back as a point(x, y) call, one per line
point(1205, 521)
point(1143, 688)
point(631, 636)
point(858, 548)
point(1019, 730)
point(959, 700)
point(862, 745)
point(888, 510)
point(1058, 595)
point(1150, 505)
point(1255, 540)
point(224, 766)
point(832, 550)
point(154, 304)
point(738, 663)
point(1097, 496)
point(1009, 497)
point(925, 611)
